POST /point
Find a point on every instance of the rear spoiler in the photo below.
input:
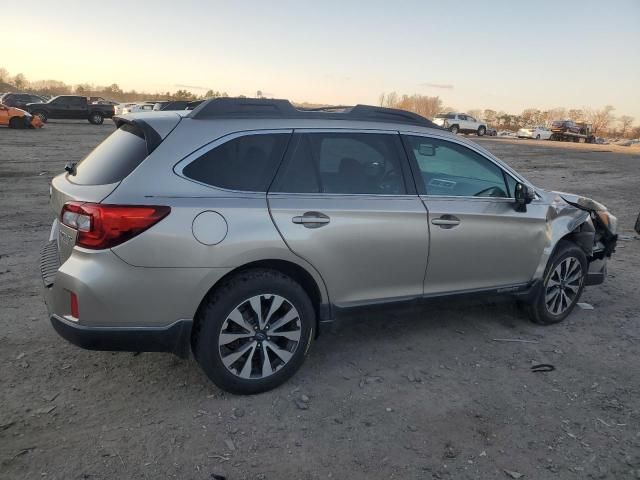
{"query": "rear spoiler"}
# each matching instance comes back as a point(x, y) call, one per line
point(151, 136)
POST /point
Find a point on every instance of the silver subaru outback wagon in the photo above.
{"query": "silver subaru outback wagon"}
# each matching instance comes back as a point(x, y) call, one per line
point(238, 229)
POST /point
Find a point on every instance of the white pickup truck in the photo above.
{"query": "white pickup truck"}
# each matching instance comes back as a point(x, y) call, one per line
point(460, 122)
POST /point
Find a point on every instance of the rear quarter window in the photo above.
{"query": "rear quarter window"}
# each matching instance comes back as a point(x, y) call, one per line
point(114, 159)
point(246, 163)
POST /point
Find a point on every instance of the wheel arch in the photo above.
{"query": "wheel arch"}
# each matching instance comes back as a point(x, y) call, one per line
point(576, 228)
point(311, 286)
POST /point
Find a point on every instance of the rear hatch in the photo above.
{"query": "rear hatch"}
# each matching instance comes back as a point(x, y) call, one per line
point(96, 176)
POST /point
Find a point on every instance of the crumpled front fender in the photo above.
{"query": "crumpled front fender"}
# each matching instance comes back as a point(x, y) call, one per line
point(564, 220)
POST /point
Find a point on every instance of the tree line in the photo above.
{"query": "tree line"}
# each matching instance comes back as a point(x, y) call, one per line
point(52, 88)
point(603, 120)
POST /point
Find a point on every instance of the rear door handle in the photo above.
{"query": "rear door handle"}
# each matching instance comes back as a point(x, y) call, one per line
point(312, 219)
point(446, 221)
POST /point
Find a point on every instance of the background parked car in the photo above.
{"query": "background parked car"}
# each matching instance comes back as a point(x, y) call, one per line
point(140, 107)
point(460, 122)
point(171, 106)
point(20, 100)
point(539, 133)
point(14, 117)
point(194, 104)
point(102, 101)
point(71, 106)
point(492, 132)
point(123, 108)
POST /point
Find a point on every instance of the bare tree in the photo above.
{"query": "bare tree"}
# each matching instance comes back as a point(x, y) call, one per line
point(475, 113)
point(600, 119)
point(531, 117)
point(20, 81)
point(389, 100)
point(4, 74)
point(489, 116)
point(625, 122)
point(576, 114)
point(420, 104)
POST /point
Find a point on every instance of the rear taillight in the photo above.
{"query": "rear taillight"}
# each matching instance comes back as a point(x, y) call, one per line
point(105, 226)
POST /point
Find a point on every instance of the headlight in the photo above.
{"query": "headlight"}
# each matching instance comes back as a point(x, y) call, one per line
point(610, 221)
point(597, 210)
point(590, 204)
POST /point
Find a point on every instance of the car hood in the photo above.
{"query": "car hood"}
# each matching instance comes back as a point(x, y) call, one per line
point(18, 111)
point(577, 201)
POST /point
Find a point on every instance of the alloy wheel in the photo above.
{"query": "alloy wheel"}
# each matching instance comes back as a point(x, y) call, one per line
point(259, 336)
point(563, 286)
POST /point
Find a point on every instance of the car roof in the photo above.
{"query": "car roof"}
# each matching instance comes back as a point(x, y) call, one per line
point(263, 109)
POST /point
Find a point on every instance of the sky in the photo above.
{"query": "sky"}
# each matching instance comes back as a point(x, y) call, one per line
point(502, 55)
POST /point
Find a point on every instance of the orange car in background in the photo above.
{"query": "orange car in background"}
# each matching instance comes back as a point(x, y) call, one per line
point(16, 118)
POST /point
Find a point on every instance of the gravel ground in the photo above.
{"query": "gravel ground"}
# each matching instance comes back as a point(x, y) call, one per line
point(427, 394)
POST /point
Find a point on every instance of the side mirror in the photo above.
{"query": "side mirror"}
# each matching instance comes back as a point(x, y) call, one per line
point(524, 195)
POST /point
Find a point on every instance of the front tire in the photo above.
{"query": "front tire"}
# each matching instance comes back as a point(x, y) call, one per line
point(481, 131)
point(253, 332)
point(538, 137)
point(563, 283)
point(96, 118)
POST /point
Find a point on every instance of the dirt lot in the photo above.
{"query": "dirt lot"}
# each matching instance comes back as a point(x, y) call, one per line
point(425, 395)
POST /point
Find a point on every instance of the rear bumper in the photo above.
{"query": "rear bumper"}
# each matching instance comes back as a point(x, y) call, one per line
point(174, 338)
point(122, 308)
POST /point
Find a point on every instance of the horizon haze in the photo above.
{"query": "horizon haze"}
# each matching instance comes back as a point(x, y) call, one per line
point(473, 56)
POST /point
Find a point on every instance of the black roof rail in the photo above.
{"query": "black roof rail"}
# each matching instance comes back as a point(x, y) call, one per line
point(266, 108)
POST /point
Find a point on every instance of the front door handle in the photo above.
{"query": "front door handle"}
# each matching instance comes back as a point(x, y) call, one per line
point(312, 219)
point(446, 221)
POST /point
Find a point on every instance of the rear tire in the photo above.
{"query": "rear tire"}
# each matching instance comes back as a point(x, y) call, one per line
point(481, 131)
point(562, 285)
point(16, 122)
point(96, 118)
point(454, 129)
point(538, 137)
point(261, 357)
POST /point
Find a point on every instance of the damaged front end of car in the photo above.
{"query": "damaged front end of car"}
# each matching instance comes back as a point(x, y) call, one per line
point(593, 228)
point(606, 226)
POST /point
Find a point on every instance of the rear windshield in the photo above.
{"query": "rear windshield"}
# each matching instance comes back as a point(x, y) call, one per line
point(115, 158)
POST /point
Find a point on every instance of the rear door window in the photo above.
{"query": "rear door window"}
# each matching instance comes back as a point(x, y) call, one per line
point(247, 163)
point(114, 159)
point(344, 163)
